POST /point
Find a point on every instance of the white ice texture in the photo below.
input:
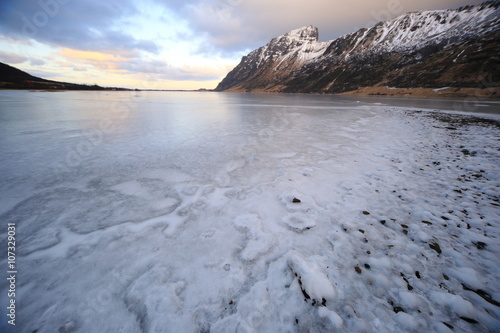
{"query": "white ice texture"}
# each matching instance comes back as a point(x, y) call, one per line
point(228, 212)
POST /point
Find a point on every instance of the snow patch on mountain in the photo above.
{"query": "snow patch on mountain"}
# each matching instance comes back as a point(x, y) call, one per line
point(301, 44)
point(420, 28)
point(409, 31)
point(298, 62)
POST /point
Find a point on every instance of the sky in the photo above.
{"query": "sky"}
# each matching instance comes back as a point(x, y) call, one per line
point(170, 44)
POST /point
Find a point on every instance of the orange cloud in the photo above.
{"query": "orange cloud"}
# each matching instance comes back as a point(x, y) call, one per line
point(96, 56)
point(109, 62)
point(128, 68)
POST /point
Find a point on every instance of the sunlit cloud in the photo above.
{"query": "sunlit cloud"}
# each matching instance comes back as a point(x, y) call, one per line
point(195, 73)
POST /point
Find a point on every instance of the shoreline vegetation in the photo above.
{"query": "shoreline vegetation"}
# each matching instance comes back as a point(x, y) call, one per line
point(493, 92)
point(463, 92)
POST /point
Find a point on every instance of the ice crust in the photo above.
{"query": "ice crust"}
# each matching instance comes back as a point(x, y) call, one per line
point(194, 227)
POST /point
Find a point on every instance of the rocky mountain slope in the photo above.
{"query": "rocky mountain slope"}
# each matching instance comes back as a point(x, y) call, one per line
point(429, 49)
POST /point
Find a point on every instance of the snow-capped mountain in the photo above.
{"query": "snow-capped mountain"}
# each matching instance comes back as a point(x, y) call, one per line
point(458, 48)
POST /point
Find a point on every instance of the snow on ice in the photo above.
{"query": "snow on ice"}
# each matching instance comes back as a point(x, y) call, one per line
point(259, 213)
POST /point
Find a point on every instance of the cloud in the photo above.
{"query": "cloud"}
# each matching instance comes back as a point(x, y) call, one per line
point(43, 74)
point(91, 25)
point(225, 26)
point(79, 69)
point(37, 62)
point(128, 62)
point(195, 73)
point(161, 70)
point(237, 25)
point(96, 56)
point(107, 61)
point(12, 58)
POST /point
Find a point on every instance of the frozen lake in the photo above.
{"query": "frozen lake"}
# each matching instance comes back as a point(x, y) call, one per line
point(225, 212)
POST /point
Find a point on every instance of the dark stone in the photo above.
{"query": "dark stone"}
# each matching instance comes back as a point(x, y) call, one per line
point(306, 295)
point(480, 245)
point(448, 325)
point(435, 246)
point(483, 294)
point(469, 320)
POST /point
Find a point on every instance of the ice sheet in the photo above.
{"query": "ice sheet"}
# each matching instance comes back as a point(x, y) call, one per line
point(200, 212)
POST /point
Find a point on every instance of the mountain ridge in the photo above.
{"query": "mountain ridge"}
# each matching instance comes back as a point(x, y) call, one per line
point(14, 78)
point(428, 49)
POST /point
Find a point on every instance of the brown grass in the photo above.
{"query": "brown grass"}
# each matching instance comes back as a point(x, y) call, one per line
point(493, 92)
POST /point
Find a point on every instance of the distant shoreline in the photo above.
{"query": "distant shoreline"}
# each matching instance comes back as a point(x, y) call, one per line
point(457, 92)
point(103, 89)
point(492, 93)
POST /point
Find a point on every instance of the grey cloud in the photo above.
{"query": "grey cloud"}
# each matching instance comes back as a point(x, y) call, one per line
point(37, 62)
point(145, 45)
point(179, 74)
point(43, 74)
point(84, 25)
point(11, 58)
point(140, 66)
point(161, 70)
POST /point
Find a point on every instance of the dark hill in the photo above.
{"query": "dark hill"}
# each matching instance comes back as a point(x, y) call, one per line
point(13, 78)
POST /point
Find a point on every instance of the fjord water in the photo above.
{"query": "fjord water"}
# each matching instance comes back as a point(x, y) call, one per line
point(56, 136)
point(176, 211)
point(52, 137)
point(48, 136)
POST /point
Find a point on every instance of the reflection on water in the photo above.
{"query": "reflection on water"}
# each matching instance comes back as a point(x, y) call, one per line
point(47, 134)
